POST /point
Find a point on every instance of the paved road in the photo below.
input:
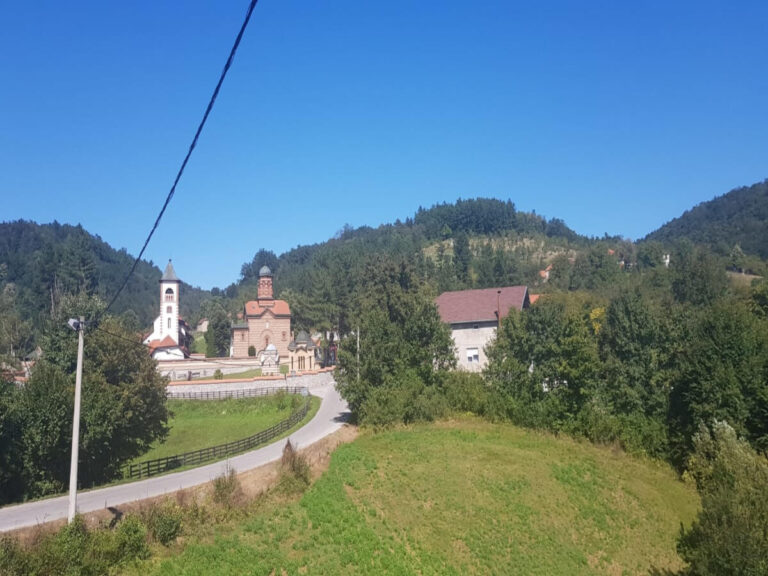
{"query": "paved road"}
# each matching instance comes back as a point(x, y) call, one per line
point(329, 418)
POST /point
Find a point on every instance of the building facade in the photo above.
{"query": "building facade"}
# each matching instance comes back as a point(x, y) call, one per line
point(170, 336)
point(265, 326)
point(474, 316)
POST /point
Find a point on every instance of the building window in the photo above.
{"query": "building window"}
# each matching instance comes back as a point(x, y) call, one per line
point(283, 336)
point(242, 336)
point(266, 342)
point(475, 326)
point(473, 355)
point(169, 323)
point(301, 363)
point(169, 309)
point(169, 295)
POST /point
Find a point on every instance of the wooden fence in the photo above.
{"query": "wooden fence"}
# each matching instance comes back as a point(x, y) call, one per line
point(159, 465)
point(247, 393)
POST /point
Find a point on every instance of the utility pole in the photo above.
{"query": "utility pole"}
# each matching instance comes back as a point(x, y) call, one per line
point(79, 326)
point(358, 353)
point(498, 311)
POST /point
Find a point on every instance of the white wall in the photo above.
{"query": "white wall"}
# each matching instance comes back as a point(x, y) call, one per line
point(467, 336)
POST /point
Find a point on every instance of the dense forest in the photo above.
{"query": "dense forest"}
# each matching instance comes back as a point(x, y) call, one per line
point(40, 263)
point(732, 223)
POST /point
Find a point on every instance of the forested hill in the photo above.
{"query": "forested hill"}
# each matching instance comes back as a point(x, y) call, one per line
point(470, 243)
point(41, 262)
point(739, 217)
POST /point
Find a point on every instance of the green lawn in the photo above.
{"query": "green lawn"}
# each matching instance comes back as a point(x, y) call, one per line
point(464, 497)
point(201, 423)
point(253, 373)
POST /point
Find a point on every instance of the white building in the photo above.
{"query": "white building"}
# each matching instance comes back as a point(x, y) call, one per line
point(170, 336)
point(474, 316)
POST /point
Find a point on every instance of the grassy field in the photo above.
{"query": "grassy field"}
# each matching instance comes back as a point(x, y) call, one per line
point(462, 497)
point(199, 424)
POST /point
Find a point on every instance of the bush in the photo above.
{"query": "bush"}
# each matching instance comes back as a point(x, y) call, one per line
point(284, 369)
point(164, 522)
point(295, 463)
point(251, 351)
point(226, 488)
point(466, 392)
point(131, 538)
point(14, 561)
point(730, 535)
point(218, 375)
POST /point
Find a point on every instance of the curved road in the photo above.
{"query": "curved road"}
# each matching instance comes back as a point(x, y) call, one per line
point(330, 417)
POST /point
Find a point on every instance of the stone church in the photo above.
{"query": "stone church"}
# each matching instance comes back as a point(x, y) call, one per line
point(265, 327)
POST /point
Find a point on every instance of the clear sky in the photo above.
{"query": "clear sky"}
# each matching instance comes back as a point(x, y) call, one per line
point(614, 116)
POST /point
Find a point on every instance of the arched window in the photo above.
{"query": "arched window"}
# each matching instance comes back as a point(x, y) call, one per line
point(169, 323)
point(266, 341)
point(169, 295)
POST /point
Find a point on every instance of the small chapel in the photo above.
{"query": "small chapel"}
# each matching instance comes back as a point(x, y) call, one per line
point(171, 335)
point(264, 331)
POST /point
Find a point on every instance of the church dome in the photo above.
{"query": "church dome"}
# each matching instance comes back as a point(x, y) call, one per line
point(265, 271)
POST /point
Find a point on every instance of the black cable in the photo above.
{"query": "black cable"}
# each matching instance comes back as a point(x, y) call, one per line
point(186, 158)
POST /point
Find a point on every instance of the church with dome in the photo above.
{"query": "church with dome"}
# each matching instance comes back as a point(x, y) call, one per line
point(264, 331)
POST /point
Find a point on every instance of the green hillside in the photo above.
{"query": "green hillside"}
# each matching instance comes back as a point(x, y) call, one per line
point(739, 217)
point(461, 497)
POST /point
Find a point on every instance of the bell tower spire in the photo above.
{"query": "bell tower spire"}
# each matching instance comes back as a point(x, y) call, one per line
point(169, 303)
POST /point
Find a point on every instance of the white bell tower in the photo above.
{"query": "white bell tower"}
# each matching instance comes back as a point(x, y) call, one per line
point(169, 304)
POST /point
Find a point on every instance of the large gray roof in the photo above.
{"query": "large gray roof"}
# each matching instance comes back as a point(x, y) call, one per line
point(170, 274)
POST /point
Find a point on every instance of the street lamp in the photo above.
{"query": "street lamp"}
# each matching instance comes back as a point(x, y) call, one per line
point(78, 326)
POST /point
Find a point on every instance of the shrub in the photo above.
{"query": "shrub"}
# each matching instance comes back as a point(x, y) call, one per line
point(284, 369)
point(295, 463)
point(218, 375)
point(466, 392)
point(226, 488)
point(14, 561)
point(164, 522)
point(131, 538)
point(251, 351)
point(730, 535)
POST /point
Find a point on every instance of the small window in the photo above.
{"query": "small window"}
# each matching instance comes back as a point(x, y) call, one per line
point(169, 323)
point(473, 355)
point(242, 336)
point(169, 309)
point(283, 336)
point(475, 326)
point(169, 295)
point(301, 362)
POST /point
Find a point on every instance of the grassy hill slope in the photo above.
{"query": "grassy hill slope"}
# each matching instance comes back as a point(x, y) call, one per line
point(463, 497)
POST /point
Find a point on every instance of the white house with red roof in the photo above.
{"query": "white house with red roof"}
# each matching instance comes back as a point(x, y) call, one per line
point(474, 316)
point(170, 334)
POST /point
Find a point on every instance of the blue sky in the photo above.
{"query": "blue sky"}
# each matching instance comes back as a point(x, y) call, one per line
point(614, 116)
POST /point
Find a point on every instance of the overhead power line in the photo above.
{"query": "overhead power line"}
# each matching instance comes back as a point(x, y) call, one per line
point(208, 109)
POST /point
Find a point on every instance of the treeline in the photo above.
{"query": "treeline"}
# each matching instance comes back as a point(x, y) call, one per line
point(41, 263)
point(471, 243)
point(737, 218)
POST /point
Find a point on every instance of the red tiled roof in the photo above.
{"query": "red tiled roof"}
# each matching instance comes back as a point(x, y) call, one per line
point(480, 305)
point(278, 307)
point(533, 298)
point(166, 342)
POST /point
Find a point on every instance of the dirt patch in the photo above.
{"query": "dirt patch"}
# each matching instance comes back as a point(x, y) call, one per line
point(253, 483)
